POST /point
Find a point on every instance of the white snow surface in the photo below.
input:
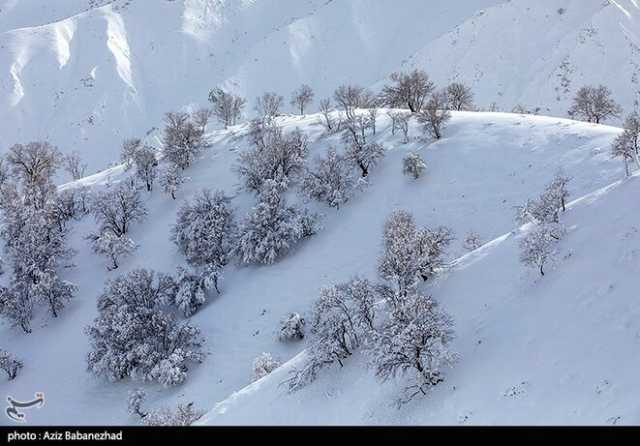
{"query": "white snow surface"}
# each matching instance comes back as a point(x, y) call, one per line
point(86, 74)
point(561, 349)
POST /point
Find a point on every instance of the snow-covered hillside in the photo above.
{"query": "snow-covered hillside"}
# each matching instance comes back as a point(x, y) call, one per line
point(86, 74)
point(566, 340)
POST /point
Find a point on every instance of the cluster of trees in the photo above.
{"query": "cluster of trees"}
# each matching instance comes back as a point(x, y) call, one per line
point(34, 232)
point(400, 329)
point(137, 334)
point(538, 246)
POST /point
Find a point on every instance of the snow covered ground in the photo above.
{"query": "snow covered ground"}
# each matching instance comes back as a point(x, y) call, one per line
point(560, 348)
point(86, 74)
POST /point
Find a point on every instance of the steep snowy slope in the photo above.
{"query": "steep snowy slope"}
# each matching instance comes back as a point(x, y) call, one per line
point(486, 164)
point(85, 76)
point(562, 349)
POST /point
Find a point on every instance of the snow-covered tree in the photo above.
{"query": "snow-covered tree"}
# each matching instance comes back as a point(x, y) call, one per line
point(264, 364)
point(35, 164)
point(183, 139)
point(111, 246)
point(413, 165)
point(271, 228)
point(227, 107)
point(74, 166)
point(301, 98)
point(4, 171)
point(183, 415)
point(116, 208)
point(435, 115)
point(365, 156)
point(330, 181)
point(65, 206)
point(205, 232)
point(136, 336)
point(127, 152)
point(408, 90)
point(329, 122)
point(538, 246)
point(594, 104)
point(10, 364)
point(411, 253)
point(171, 179)
point(627, 144)
point(146, 166)
point(546, 208)
point(414, 339)
point(191, 291)
point(292, 327)
point(268, 105)
point(201, 118)
point(342, 320)
point(135, 401)
point(460, 97)
point(275, 156)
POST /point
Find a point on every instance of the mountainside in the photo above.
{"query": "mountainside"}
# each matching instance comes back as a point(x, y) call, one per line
point(87, 74)
point(468, 186)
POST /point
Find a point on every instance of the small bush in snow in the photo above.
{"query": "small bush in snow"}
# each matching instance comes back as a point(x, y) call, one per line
point(415, 338)
point(331, 181)
point(10, 364)
point(292, 327)
point(136, 399)
point(263, 365)
point(472, 241)
point(413, 165)
point(136, 336)
point(183, 415)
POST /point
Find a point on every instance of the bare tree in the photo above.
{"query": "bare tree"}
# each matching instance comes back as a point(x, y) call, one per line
point(227, 108)
point(329, 122)
point(201, 118)
point(594, 104)
point(627, 144)
point(268, 105)
point(435, 115)
point(74, 166)
point(302, 97)
point(129, 148)
point(35, 162)
point(409, 90)
point(349, 97)
point(460, 96)
point(146, 166)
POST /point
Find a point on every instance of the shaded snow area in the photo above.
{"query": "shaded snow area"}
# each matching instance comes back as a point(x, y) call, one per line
point(85, 74)
point(554, 349)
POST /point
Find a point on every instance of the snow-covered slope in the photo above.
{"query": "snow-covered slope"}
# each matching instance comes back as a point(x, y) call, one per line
point(562, 349)
point(486, 164)
point(87, 74)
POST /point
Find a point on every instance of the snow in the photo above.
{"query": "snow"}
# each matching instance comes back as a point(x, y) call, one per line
point(88, 74)
point(467, 186)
